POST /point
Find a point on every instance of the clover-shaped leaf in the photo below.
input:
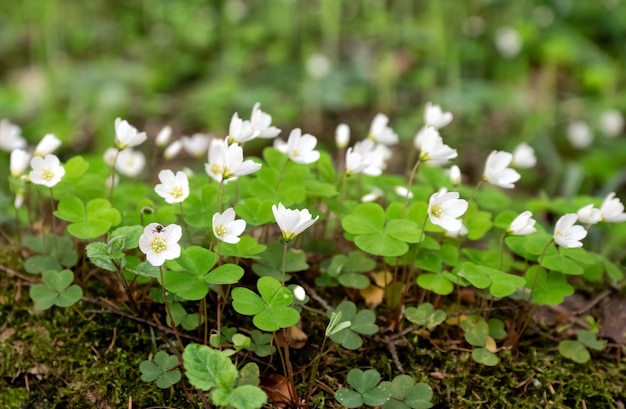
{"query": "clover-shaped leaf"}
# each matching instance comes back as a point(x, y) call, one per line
point(161, 369)
point(271, 310)
point(261, 343)
point(574, 350)
point(476, 330)
point(425, 315)
point(485, 357)
point(348, 270)
point(87, 221)
point(56, 290)
point(361, 323)
point(550, 288)
point(188, 275)
point(406, 394)
point(270, 263)
point(366, 389)
point(437, 283)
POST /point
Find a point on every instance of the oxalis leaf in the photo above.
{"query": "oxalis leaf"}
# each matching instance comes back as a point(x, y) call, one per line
point(361, 323)
point(90, 221)
point(405, 394)
point(55, 290)
point(366, 389)
point(160, 369)
point(550, 288)
point(271, 310)
point(425, 315)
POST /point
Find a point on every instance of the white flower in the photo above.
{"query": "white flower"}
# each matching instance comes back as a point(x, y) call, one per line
point(589, 214)
point(372, 196)
point(226, 228)
point(226, 162)
point(568, 235)
point(10, 136)
point(497, 171)
point(126, 135)
point(164, 136)
point(579, 134)
point(612, 209)
point(240, 131)
point(47, 145)
point(403, 192)
point(524, 156)
point(110, 156)
point(355, 162)
point(262, 122)
point(457, 233)
point(19, 162)
point(435, 117)
point(292, 221)
point(173, 149)
point(508, 41)
point(433, 150)
point(300, 148)
point(19, 198)
point(379, 131)
point(455, 175)
point(318, 66)
point(444, 208)
point(342, 136)
point(612, 123)
point(299, 293)
point(130, 162)
point(280, 145)
point(523, 224)
point(173, 188)
point(375, 154)
point(160, 243)
point(47, 171)
point(197, 144)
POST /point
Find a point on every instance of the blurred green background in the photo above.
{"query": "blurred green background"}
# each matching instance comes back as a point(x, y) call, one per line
point(510, 71)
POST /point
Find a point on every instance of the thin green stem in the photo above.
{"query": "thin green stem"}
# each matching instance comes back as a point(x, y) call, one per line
point(56, 244)
point(410, 183)
point(113, 176)
point(284, 261)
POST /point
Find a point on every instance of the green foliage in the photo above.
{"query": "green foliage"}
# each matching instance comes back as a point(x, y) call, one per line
point(56, 289)
point(272, 309)
point(425, 315)
point(361, 323)
point(87, 221)
point(161, 370)
point(210, 370)
point(366, 389)
point(347, 271)
point(406, 394)
point(52, 253)
point(270, 263)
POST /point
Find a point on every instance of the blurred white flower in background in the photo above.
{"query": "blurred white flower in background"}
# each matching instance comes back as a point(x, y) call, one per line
point(372, 196)
point(318, 66)
point(301, 148)
point(589, 214)
point(355, 162)
point(164, 136)
point(612, 209)
point(497, 171)
point(173, 149)
point(342, 136)
point(381, 133)
point(432, 148)
point(524, 156)
point(48, 144)
point(197, 144)
point(10, 136)
point(241, 131)
point(612, 123)
point(19, 162)
point(130, 162)
point(402, 191)
point(523, 224)
point(434, 116)
point(454, 173)
point(376, 154)
point(508, 41)
point(579, 134)
point(262, 122)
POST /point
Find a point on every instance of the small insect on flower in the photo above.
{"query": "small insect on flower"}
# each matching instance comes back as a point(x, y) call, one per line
point(160, 243)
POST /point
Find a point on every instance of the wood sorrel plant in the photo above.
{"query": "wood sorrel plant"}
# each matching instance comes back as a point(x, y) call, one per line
point(386, 247)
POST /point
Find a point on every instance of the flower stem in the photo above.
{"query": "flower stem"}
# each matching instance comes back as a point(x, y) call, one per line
point(113, 176)
point(284, 261)
point(56, 244)
point(410, 183)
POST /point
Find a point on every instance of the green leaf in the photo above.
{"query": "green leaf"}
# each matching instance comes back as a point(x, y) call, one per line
point(492, 199)
point(485, 357)
point(496, 328)
point(246, 301)
point(574, 350)
point(550, 288)
point(405, 394)
point(365, 218)
point(207, 368)
point(225, 274)
point(255, 212)
point(271, 262)
point(436, 283)
point(429, 261)
point(590, 340)
point(349, 398)
point(200, 206)
point(425, 315)
point(247, 247)
point(362, 322)
point(476, 330)
point(380, 244)
point(55, 290)
point(476, 275)
point(129, 234)
point(41, 262)
point(90, 221)
point(404, 230)
point(160, 370)
point(242, 397)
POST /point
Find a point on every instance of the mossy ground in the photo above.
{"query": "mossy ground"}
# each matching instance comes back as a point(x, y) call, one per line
point(88, 357)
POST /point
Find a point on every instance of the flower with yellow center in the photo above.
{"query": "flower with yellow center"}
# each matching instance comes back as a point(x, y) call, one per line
point(46, 171)
point(444, 209)
point(160, 243)
point(174, 188)
point(226, 162)
point(292, 221)
point(226, 228)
